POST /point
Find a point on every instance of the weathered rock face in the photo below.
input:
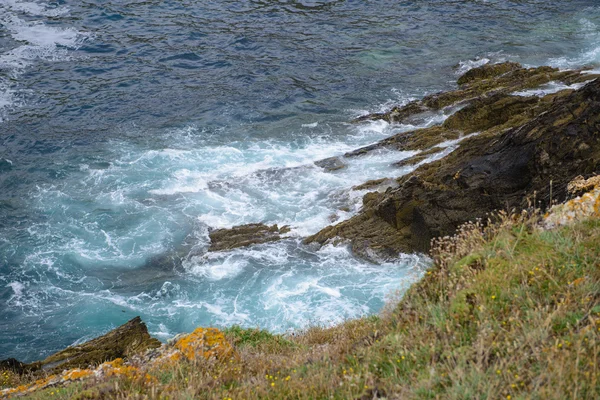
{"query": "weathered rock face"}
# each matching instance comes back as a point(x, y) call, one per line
point(125, 341)
point(525, 144)
point(487, 71)
point(244, 235)
point(487, 80)
point(201, 345)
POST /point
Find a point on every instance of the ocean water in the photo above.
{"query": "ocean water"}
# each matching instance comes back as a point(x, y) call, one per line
point(128, 129)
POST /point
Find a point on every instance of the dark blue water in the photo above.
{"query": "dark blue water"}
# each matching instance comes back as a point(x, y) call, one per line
point(129, 128)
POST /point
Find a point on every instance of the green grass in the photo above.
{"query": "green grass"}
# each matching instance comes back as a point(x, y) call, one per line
point(506, 312)
point(257, 338)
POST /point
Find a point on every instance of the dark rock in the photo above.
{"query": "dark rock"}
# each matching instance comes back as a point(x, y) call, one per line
point(555, 138)
point(487, 112)
point(331, 164)
point(125, 341)
point(397, 114)
point(487, 71)
point(245, 235)
point(477, 83)
point(377, 184)
point(493, 114)
point(417, 158)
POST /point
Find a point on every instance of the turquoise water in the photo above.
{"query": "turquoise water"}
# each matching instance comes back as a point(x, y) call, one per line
point(129, 129)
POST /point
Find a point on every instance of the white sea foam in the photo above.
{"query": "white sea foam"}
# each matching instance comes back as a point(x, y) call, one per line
point(549, 88)
point(465, 66)
point(17, 288)
point(227, 269)
point(589, 56)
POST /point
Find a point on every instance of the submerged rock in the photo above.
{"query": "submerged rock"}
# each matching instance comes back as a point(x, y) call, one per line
point(526, 146)
point(418, 158)
point(397, 114)
point(244, 235)
point(331, 164)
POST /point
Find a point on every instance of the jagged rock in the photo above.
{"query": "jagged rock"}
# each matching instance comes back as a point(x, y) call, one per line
point(488, 71)
point(487, 112)
point(417, 158)
point(579, 185)
point(481, 82)
point(331, 164)
point(128, 339)
point(582, 207)
point(202, 344)
point(377, 184)
point(553, 139)
point(244, 235)
point(492, 114)
point(397, 114)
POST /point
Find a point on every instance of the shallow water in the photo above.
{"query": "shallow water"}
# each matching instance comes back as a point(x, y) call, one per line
point(131, 128)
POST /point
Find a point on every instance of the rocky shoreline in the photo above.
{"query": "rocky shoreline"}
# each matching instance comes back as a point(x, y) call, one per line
point(517, 145)
point(516, 149)
point(521, 149)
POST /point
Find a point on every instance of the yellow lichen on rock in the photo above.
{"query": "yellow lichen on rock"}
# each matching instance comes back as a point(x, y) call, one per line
point(118, 367)
point(580, 184)
point(206, 343)
point(581, 207)
point(75, 374)
point(51, 380)
point(202, 344)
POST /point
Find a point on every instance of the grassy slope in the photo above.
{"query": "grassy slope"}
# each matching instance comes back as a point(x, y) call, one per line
point(508, 312)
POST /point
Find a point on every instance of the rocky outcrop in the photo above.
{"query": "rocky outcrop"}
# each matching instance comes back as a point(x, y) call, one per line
point(526, 147)
point(580, 208)
point(201, 345)
point(244, 235)
point(489, 79)
point(125, 341)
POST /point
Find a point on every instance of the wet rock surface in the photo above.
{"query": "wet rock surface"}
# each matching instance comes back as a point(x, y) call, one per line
point(331, 164)
point(244, 235)
point(479, 82)
point(420, 157)
point(520, 146)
